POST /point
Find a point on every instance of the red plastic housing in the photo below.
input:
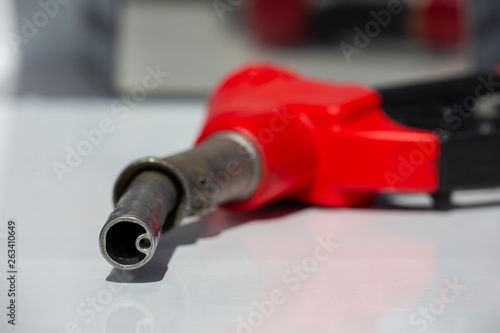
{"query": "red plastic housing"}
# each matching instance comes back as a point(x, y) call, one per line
point(327, 144)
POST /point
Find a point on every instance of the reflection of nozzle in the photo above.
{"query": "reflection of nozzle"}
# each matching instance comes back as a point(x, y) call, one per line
point(152, 195)
point(130, 236)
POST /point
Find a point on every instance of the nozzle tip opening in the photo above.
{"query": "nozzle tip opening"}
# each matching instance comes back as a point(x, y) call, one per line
point(126, 243)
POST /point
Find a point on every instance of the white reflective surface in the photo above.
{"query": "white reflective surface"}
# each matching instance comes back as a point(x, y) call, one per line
point(280, 269)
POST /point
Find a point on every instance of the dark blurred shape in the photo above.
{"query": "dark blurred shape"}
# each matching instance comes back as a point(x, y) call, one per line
point(486, 33)
point(338, 18)
point(437, 23)
point(100, 38)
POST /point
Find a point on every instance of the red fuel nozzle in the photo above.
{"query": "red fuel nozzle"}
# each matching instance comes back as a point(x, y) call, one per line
point(271, 134)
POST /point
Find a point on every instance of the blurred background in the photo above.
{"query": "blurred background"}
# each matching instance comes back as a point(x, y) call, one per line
point(104, 47)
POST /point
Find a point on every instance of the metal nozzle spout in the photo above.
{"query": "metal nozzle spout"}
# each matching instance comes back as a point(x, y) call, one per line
point(129, 238)
point(153, 194)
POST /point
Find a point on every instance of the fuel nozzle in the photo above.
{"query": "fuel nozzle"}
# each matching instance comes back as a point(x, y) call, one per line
point(152, 195)
point(272, 134)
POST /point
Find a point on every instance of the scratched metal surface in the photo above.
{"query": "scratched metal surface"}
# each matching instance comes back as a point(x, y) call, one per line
point(284, 268)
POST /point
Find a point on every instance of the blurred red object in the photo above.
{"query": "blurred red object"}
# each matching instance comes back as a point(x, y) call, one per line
point(281, 22)
point(440, 23)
